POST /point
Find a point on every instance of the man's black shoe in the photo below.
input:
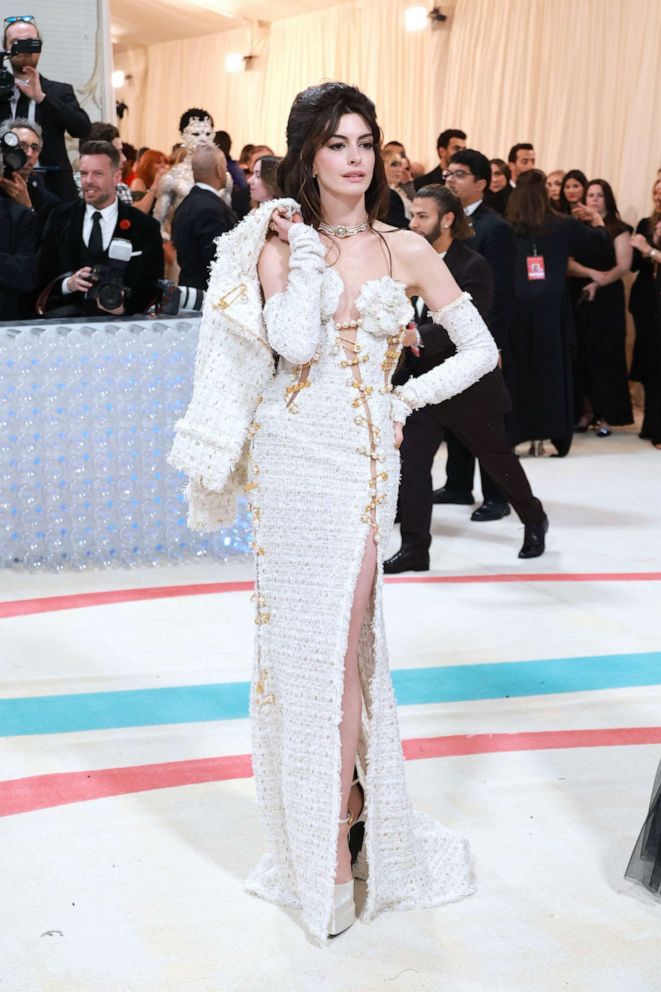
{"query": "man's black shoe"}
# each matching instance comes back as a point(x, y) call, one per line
point(533, 539)
point(446, 495)
point(407, 561)
point(490, 511)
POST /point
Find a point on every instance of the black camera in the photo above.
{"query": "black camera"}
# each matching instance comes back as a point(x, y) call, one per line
point(170, 299)
point(108, 289)
point(26, 46)
point(13, 156)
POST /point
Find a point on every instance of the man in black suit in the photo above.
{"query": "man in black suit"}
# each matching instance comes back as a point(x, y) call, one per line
point(52, 105)
point(448, 142)
point(24, 186)
point(476, 415)
point(79, 236)
point(201, 217)
point(19, 243)
point(468, 176)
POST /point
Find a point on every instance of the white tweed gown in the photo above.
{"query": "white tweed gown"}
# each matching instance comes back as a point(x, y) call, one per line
point(324, 479)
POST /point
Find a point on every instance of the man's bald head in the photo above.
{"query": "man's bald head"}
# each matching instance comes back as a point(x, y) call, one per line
point(209, 166)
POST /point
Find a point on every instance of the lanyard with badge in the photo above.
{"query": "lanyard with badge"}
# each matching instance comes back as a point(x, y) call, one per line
point(535, 265)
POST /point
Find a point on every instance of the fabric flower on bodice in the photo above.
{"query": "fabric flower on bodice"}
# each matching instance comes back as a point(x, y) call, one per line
point(331, 291)
point(384, 306)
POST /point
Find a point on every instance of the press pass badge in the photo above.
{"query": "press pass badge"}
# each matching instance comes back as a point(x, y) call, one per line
point(536, 268)
point(535, 265)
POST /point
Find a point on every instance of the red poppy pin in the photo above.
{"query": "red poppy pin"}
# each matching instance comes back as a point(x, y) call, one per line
point(125, 225)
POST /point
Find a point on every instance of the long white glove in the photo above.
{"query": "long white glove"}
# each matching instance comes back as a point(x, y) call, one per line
point(293, 318)
point(476, 355)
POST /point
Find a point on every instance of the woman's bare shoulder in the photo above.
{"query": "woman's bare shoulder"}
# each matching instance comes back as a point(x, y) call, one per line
point(407, 248)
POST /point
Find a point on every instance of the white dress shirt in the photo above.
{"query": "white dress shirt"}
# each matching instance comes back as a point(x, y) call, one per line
point(13, 103)
point(109, 216)
point(472, 208)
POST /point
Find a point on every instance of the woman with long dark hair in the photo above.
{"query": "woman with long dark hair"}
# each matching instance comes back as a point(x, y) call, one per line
point(498, 193)
point(263, 182)
point(323, 481)
point(602, 390)
point(542, 326)
point(572, 191)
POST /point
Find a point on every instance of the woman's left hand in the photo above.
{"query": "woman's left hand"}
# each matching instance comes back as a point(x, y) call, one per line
point(399, 433)
point(280, 222)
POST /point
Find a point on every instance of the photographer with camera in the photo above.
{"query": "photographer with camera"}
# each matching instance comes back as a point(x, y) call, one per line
point(99, 255)
point(19, 241)
point(19, 181)
point(31, 96)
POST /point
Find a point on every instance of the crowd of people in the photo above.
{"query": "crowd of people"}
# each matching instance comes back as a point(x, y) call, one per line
point(543, 257)
point(557, 252)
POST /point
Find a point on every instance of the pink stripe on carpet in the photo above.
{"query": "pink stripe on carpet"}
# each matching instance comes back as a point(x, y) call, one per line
point(76, 601)
point(25, 795)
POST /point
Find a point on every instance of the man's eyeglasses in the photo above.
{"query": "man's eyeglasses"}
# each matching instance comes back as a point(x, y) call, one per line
point(28, 18)
point(29, 148)
point(456, 174)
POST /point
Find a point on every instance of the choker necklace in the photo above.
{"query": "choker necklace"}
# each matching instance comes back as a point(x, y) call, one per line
point(342, 231)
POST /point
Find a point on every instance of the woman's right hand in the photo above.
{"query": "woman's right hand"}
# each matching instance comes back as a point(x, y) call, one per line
point(281, 223)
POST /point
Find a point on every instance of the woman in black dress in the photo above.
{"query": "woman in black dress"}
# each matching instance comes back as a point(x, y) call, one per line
point(542, 327)
point(602, 390)
point(643, 304)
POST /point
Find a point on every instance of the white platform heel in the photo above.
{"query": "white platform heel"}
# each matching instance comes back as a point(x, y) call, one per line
point(343, 913)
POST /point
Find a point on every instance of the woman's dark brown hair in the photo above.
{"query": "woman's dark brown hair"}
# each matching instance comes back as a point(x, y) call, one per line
point(314, 117)
point(612, 220)
point(269, 173)
point(565, 206)
point(528, 208)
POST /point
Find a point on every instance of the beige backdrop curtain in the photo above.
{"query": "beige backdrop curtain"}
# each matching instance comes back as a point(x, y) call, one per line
point(579, 79)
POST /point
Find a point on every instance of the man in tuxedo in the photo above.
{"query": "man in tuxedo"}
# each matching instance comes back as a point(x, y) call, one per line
point(202, 217)
point(476, 415)
point(23, 186)
point(468, 176)
point(520, 159)
point(78, 236)
point(52, 105)
point(448, 142)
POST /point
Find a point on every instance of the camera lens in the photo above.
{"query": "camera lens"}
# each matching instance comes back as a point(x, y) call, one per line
point(110, 296)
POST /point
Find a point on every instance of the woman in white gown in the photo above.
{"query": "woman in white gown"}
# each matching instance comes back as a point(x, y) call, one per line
point(323, 490)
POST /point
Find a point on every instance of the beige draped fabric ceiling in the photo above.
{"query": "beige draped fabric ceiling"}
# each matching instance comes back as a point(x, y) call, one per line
point(579, 78)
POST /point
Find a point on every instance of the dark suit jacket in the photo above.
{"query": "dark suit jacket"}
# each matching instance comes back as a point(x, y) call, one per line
point(429, 178)
point(19, 242)
point(494, 240)
point(57, 113)
point(62, 250)
point(489, 394)
point(396, 215)
point(42, 199)
point(201, 217)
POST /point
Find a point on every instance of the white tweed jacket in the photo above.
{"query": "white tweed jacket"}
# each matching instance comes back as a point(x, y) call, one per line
point(233, 364)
